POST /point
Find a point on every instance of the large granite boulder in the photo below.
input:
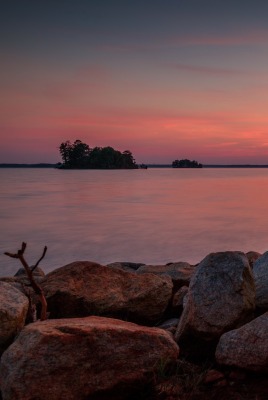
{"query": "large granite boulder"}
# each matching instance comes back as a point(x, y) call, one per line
point(260, 272)
point(85, 288)
point(83, 358)
point(246, 347)
point(13, 311)
point(179, 272)
point(221, 297)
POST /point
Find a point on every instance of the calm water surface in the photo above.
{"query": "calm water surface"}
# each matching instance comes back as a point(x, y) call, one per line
point(151, 216)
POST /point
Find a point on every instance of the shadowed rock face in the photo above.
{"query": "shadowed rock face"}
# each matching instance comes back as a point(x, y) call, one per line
point(85, 288)
point(246, 347)
point(179, 299)
point(37, 272)
point(125, 266)
point(13, 311)
point(252, 257)
point(81, 357)
point(260, 272)
point(221, 297)
point(180, 272)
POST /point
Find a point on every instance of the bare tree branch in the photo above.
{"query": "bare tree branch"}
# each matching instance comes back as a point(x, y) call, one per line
point(11, 255)
point(40, 259)
point(36, 287)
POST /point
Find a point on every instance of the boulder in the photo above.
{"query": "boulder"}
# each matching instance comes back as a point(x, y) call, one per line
point(221, 297)
point(22, 277)
point(13, 311)
point(85, 288)
point(37, 272)
point(179, 299)
point(84, 358)
point(15, 282)
point(246, 347)
point(252, 256)
point(27, 291)
point(125, 266)
point(179, 272)
point(170, 325)
point(260, 272)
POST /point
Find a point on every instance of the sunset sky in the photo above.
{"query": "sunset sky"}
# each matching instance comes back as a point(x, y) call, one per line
point(165, 79)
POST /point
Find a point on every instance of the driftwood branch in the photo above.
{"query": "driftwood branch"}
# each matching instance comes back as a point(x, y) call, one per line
point(40, 259)
point(29, 271)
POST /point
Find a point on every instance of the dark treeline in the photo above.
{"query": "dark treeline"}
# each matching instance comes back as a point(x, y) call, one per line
point(39, 165)
point(79, 155)
point(186, 164)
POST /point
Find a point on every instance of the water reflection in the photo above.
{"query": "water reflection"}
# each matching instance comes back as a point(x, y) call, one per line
point(152, 216)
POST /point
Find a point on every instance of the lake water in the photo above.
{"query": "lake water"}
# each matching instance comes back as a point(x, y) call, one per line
point(153, 216)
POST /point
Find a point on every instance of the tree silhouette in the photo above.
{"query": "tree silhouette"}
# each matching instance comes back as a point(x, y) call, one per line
point(186, 164)
point(79, 155)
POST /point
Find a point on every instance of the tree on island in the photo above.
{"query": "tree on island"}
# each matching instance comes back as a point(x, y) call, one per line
point(186, 164)
point(79, 155)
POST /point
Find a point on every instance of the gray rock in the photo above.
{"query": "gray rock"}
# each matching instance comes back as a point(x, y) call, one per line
point(22, 277)
point(260, 272)
point(180, 272)
point(179, 299)
point(170, 323)
point(246, 347)
point(221, 297)
point(125, 266)
point(252, 257)
point(37, 272)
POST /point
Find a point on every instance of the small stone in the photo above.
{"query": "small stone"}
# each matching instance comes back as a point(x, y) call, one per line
point(213, 376)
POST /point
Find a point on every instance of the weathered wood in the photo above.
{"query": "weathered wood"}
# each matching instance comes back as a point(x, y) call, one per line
point(29, 271)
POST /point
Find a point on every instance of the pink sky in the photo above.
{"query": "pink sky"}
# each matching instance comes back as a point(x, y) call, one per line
point(163, 94)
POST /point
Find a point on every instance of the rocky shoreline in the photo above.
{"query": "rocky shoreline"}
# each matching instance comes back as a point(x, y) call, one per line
point(136, 331)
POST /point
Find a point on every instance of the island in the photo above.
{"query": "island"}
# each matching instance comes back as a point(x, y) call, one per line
point(186, 164)
point(79, 155)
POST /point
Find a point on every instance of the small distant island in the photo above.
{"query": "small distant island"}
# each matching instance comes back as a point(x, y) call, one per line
point(186, 164)
point(79, 155)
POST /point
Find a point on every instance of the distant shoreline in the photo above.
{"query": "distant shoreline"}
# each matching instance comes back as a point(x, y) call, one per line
point(47, 165)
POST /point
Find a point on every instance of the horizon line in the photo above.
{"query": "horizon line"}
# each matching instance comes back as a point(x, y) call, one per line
point(152, 165)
